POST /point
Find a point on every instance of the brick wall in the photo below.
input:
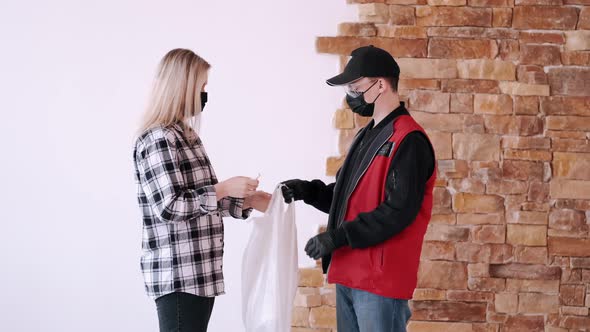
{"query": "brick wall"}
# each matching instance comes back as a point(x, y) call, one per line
point(503, 89)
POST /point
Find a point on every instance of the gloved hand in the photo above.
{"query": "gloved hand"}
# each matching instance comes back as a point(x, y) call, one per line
point(323, 244)
point(294, 190)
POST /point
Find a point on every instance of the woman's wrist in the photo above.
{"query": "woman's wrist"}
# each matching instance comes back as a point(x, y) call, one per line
point(247, 204)
point(220, 190)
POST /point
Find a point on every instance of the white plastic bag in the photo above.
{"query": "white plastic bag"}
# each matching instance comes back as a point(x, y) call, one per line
point(269, 269)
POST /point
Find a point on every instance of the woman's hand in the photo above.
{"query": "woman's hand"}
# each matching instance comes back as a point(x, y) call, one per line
point(239, 187)
point(259, 201)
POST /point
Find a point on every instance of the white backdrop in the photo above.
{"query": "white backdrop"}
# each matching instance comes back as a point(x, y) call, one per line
point(74, 77)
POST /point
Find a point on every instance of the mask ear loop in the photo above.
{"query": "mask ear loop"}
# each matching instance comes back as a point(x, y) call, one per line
point(379, 95)
point(369, 88)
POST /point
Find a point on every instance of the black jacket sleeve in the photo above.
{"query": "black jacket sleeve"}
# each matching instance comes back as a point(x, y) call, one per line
point(319, 195)
point(411, 168)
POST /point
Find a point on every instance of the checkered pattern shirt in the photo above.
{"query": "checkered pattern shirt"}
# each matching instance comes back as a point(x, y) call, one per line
point(182, 217)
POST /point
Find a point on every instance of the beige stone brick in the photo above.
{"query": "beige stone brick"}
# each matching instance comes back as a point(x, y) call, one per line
point(429, 101)
point(402, 15)
point(445, 48)
point(333, 164)
point(427, 68)
point(448, 311)
point(502, 17)
point(489, 234)
point(373, 12)
point(542, 55)
point(573, 189)
point(506, 303)
point(421, 326)
point(476, 147)
point(576, 311)
point(575, 166)
point(526, 217)
point(401, 31)
point(478, 270)
point(544, 18)
point(308, 297)
point(577, 40)
point(536, 286)
point(473, 203)
point(430, 271)
point(343, 119)
point(523, 89)
point(530, 255)
point(300, 317)
point(532, 303)
point(492, 104)
point(423, 294)
point(453, 16)
point(311, 277)
point(323, 317)
point(570, 81)
point(442, 143)
point(480, 219)
point(528, 235)
point(487, 69)
point(357, 29)
point(447, 2)
point(572, 295)
point(487, 284)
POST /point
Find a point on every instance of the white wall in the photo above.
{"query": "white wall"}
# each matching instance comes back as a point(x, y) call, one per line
point(74, 76)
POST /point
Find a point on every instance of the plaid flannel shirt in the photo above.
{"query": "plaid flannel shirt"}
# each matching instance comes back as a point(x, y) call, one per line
point(182, 217)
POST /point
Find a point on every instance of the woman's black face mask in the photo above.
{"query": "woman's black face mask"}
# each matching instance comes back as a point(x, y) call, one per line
point(203, 100)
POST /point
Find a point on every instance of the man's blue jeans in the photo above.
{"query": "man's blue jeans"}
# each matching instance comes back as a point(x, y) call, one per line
point(360, 311)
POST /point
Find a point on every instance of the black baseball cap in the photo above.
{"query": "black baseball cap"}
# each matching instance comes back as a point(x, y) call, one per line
point(366, 61)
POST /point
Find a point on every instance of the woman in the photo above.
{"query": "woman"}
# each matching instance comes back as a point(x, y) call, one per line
point(181, 200)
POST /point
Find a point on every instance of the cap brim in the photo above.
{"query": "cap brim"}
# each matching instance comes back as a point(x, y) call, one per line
point(342, 79)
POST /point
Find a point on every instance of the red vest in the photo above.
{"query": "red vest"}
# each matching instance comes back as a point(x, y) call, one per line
point(390, 268)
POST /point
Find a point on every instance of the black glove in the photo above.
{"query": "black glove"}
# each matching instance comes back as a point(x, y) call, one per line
point(294, 190)
point(323, 244)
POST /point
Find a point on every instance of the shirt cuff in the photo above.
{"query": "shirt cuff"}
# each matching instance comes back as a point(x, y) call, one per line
point(246, 213)
point(238, 211)
point(234, 207)
point(207, 199)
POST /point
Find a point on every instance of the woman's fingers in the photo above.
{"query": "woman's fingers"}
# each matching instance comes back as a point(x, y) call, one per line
point(252, 182)
point(251, 185)
point(244, 187)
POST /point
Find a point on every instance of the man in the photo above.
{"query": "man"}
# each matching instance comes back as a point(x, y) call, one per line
point(380, 205)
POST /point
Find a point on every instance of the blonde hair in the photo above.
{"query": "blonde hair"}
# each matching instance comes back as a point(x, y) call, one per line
point(176, 92)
